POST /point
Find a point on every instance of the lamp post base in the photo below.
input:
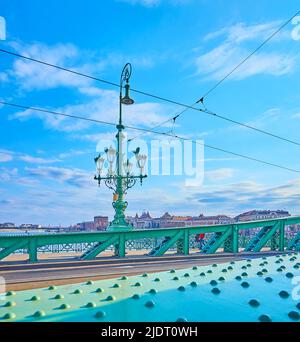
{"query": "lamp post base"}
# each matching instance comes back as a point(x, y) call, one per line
point(119, 227)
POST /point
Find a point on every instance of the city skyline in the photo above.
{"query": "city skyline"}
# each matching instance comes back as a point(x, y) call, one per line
point(46, 163)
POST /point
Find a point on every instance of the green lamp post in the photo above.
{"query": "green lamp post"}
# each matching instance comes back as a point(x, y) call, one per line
point(119, 177)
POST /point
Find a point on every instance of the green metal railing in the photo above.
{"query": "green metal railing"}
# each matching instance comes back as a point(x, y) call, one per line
point(226, 235)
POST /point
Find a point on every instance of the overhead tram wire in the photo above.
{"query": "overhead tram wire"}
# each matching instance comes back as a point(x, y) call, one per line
point(201, 100)
point(46, 111)
point(173, 101)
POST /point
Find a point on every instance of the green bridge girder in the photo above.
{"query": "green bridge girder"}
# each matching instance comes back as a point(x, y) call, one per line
point(226, 234)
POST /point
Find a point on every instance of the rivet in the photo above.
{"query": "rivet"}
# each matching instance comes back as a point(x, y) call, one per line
point(264, 270)
point(259, 273)
point(249, 260)
point(89, 282)
point(181, 319)
point(279, 270)
point(277, 262)
point(10, 304)
point(172, 271)
point(116, 285)
point(138, 284)
point(145, 275)
point(296, 267)
point(261, 264)
point(224, 270)
point(232, 262)
point(213, 283)
point(11, 293)
point(150, 304)
point(245, 284)
point(153, 291)
point(230, 268)
point(124, 278)
point(283, 267)
point(175, 278)
point(244, 274)
point(264, 258)
point(294, 315)
point(194, 268)
point(215, 290)
point(209, 271)
point(65, 306)
point(289, 275)
point(99, 290)
point(244, 267)
point(181, 288)
point(202, 274)
point(157, 279)
point(264, 318)
point(193, 284)
point(35, 298)
point(214, 265)
point(52, 287)
point(59, 296)
point(91, 305)
point(39, 313)
point(221, 279)
point(110, 298)
point(186, 275)
point(238, 278)
point(298, 306)
point(136, 296)
point(9, 315)
point(283, 294)
point(269, 280)
point(78, 291)
point(100, 314)
point(254, 303)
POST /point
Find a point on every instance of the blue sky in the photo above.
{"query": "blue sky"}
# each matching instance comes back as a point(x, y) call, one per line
point(178, 49)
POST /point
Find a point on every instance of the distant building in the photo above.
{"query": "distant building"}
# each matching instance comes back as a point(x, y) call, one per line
point(100, 222)
point(30, 226)
point(256, 215)
point(7, 225)
point(87, 226)
point(145, 221)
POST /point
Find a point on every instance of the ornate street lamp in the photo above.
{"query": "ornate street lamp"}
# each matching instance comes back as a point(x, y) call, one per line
point(119, 177)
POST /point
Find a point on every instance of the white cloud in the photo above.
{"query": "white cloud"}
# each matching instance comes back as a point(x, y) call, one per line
point(101, 105)
point(31, 75)
point(147, 3)
point(6, 156)
point(220, 60)
point(219, 174)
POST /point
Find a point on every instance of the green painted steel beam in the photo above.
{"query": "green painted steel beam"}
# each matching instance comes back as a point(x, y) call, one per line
point(98, 248)
point(220, 239)
point(9, 250)
point(264, 239)
point(32, 242)
point(161, 250)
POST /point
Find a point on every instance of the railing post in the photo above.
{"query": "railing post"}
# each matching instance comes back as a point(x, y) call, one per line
point(186, 242)
point(235, 239)
point(32, 250)
point(281, 236)
point(122, 248)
